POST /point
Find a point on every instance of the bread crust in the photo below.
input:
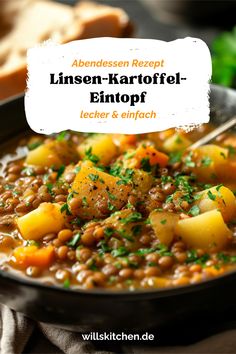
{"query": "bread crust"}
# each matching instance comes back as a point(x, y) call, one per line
point(88, 20)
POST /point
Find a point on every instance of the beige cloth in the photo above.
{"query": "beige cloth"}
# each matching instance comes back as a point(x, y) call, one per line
point(16, 330)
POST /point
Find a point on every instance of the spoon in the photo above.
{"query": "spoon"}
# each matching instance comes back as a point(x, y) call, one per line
point(214, 133)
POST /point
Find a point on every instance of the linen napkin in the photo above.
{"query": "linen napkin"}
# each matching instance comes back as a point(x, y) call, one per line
point(22, 335)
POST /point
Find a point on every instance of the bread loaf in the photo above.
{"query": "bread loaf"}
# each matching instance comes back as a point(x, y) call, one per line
point(35, 21)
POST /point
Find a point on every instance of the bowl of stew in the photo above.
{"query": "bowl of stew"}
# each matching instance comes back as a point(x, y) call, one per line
point(111, 230)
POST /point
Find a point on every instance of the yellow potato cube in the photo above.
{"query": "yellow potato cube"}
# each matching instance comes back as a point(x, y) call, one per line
point(207, 231)
point(207, 158)
point(142, 181)
point(101, 145)
point(163, 224)
point(100, 193)
point(45, 219)
point(55, 153)
point(43, 156)
point(221, 198)
point(176, 142)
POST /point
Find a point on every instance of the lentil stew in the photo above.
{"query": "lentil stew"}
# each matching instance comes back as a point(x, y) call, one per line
point(119, 211)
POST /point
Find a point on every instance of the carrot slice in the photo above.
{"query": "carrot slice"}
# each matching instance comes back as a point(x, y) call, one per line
point(33, 256)
point(124, 141)
point(155, 156)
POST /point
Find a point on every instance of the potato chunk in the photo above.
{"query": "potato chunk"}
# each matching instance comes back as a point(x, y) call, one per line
point(100, 193)
point(101, 145)
point(220, 198)
point(163, 224)
point(127, 225)
point(55, 153)
point(176, 142)
point(142, 181)
point(207, 231)
point(45, 219)
point(207, 158)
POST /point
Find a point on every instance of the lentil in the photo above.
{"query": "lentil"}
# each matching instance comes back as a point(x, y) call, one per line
point(118, 227)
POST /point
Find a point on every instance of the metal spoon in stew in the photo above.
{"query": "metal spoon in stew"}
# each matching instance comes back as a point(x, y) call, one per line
point(214, 133)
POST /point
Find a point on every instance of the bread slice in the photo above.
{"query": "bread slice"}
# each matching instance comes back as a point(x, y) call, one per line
point(39, 20)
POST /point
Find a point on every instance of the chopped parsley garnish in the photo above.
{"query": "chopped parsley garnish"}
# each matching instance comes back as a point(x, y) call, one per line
point(218, 187)
point(75, 239)
point(178, 140)
point(123, 234)
point(147, 221)
point(110, 206)
point(169, 199)
point(232, 150)
point(50, 187)
point(77, 169)
point(101, 168)
point(60, 171)
point(28, 171)
point(61, 136)
point(103, 247)
point(192, 257)
point(175, 157)
point(224, 258)
point(34, 145)
point(129, 155)
point(124, 175)
point(84, 201)
point(108, 231)
point(145, 164)
point(115, 170)
point(90, 156)
point(121, 182)
point(197, 196)
point(211, 195)
point(66, 284)
point(32, 243)
point(8, 187)
point(163, 221)
point(92, 264)
point(65, 208)
point(165, 179)
point(134, 217)
point(129, 205)
point(188, 160)
point(161, 249)
point(93, 177)
point(111, 196)
point(121, 251)
point(206, 161)
point(70, 196)
point(194, 211)
point(144, 251)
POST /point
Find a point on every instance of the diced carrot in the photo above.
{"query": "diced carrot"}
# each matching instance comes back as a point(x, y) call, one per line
point(33, 256)
point(213, 271)
point(129, 139)
point(124, 141)
point(155, 156)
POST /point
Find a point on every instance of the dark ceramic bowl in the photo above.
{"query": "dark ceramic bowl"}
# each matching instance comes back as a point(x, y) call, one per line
point(97, 309)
